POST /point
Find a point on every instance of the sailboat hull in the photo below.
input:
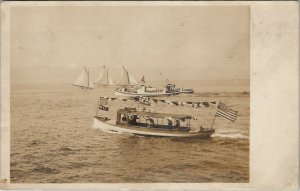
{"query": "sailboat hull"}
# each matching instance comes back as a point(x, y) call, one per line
point(99, 123)
point(83, 87)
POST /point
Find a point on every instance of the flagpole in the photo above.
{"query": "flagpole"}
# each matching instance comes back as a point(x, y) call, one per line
point(214, 117)
point(213, 122)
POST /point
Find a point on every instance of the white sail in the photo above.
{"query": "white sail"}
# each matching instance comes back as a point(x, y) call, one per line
point(110, 82)
point(103, 77)
point(83, 79)
point(124, 77)
point(132, 80)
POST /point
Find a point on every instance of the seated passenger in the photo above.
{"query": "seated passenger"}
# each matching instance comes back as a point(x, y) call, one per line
point(124, 118)
point(152, 124)
point(177, 123)
point(132, 120)
point(170, 124)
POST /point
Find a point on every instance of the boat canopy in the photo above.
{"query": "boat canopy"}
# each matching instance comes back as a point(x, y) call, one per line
point(152, 114)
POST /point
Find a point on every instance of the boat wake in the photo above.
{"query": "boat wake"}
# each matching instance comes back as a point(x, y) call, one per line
point(230, 135)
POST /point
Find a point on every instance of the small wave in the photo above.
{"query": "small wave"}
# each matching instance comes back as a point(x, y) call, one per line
point(231, 135)
point(77, 165)
point(65, 149)
point(44, 169)
point(35, 142)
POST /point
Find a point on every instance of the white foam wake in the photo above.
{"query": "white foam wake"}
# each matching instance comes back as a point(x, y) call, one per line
point(230, 135)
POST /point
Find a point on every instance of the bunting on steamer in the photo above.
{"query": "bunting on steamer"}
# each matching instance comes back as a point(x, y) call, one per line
point(186, 103)
point(143, 100)
point(222, 109)
point(225, 112)
point(147, 101)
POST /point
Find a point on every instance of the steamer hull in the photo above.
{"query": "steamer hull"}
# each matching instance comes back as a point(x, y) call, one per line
point(146, 94)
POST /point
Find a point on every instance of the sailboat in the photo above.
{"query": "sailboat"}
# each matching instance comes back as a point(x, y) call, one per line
point(83, 80)
point(126, 78)
point(104, 78)
point(143, 80)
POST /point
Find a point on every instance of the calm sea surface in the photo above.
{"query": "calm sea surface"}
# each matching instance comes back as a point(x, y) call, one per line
point(45, 148)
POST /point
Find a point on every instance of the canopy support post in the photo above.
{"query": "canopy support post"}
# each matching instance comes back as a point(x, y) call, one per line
point(97, 108)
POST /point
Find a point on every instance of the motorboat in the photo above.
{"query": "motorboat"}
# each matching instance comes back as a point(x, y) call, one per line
point(144, 123)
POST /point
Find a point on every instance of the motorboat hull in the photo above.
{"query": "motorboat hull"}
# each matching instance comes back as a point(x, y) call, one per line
point(99, 123)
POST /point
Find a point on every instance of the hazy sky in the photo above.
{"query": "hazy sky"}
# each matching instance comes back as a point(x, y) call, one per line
point(183, 43)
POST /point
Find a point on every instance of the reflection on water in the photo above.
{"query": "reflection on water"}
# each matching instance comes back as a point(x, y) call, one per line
point(44, 147)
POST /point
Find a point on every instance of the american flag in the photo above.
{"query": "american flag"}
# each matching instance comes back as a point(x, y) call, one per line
point(224, 111)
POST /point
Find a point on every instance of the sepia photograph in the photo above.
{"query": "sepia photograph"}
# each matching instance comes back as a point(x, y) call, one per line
point(149, 95)
point(118, 94)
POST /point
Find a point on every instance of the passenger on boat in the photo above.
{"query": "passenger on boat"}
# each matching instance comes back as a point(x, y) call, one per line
point(132, 120)
point(124, 118)
point(170, 124)
point(151, 124)
point(177, 123)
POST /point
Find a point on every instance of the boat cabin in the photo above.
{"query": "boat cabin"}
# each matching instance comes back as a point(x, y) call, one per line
point(132, 117)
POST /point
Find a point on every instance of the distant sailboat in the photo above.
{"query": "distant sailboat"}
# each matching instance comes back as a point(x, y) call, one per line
point(143, 80)
point(104, 78)
point(83, 80)
point(126, 78)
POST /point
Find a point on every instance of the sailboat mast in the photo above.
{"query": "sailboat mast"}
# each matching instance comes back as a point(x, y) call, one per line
point(88, 76)
point(107, 77)
point(126, 76)
point(87, 73)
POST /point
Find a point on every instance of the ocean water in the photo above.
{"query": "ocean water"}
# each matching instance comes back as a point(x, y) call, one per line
point(53, 141)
